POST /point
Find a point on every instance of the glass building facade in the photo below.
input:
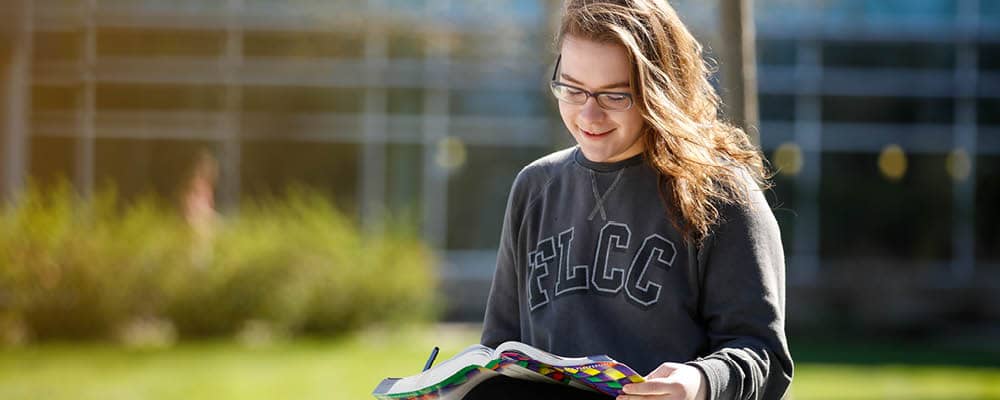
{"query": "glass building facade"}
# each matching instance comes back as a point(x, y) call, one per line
point(883, 118)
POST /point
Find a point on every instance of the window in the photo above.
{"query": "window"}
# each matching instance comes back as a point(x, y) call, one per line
point(888, 109)
point(477, 195)
point(404, 179)
point(499, 103)
point(782, 198)
point(517, 44)
point(138, 167)
point(302, 99)
point(864, 215)
point(521, 12)
point(987, 216)
point(51, 97)
point(52, 159)
point(159, 97)
point(940, 9)
point(303, 44)
point(889, 55)
point(989, 11)
point(777, 107)
point(407, 44)
point(269, 167)
point(986, 111)
point(405, 101)
point(156, 6)
point(159, 42)
point(57, 46)
point(776, 52)
point(989, 56)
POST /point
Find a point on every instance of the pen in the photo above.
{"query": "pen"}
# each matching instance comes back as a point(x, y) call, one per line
point(430, 360)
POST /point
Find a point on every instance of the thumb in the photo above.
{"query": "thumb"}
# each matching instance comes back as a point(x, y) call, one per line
point(664, 370)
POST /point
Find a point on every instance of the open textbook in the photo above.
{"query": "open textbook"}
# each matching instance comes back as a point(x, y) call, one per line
point(456, 376)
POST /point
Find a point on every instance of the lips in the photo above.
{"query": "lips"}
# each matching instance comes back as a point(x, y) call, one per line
point(598, 133)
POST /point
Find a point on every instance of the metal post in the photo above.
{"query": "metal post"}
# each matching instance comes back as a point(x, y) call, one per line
point(233, 101)
point(739, 65)
point(372, 179)
point(964, 190)
point(87, 110)
point(435, 129)
point(18, 101)
point(808, 135)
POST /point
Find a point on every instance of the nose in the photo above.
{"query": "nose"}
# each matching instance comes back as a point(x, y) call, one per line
point(591, 111)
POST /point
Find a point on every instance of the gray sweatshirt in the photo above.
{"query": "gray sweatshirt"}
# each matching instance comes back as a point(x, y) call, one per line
point(589, 264)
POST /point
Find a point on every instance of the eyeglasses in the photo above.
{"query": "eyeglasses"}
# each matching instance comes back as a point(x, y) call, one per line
point(611, 101)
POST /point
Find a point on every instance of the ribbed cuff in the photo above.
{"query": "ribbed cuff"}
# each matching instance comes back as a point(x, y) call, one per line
point(716, 374)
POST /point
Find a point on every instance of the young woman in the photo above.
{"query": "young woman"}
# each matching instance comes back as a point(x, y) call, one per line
point(650, 240)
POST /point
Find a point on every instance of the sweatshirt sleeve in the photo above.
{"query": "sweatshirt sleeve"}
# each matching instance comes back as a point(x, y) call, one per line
point(742, 272)
point(502, 321)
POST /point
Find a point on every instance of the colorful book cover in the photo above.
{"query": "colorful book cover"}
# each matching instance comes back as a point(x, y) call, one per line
point(605, 375)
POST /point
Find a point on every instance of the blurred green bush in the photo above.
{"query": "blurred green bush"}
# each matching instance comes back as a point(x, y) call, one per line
point(292, 264)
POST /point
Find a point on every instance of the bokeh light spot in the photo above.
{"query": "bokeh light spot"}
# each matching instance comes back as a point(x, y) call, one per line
point(958, 164)
point(892, 162)
point(451, 153)
point(788, 159)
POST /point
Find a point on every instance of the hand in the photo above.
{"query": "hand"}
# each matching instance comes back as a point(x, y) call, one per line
point(668, 381)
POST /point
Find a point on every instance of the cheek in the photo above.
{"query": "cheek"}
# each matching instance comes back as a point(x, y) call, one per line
point(634, 121)
point(568, 115)
point(631, 122)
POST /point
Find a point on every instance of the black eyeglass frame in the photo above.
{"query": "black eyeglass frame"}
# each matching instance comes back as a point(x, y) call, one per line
point(554, 84)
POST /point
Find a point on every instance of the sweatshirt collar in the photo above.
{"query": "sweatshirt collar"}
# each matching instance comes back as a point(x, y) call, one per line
point(604, 166)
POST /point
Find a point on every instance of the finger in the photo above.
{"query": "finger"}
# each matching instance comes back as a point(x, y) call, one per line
point(663, 370)
point(640, 397)
point(653, 387)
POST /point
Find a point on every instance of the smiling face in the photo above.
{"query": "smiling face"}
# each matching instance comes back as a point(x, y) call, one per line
point(603, 136)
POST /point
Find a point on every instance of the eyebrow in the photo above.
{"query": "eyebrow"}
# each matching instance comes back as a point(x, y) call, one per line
point(611, 86)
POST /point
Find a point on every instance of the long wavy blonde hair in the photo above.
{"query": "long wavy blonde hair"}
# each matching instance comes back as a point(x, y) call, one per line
point(703, 162)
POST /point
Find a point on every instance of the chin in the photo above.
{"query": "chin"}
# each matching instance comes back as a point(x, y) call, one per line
point(598, 156)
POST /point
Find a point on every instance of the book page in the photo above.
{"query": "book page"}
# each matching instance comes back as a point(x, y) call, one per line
point(546, 357)
point(475, 355)
point(454, 387)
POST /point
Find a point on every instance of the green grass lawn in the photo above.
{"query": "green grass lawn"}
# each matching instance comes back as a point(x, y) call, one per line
point(349, 368)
